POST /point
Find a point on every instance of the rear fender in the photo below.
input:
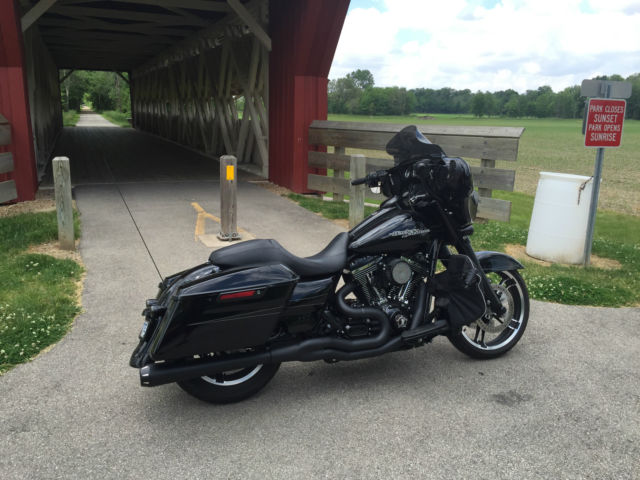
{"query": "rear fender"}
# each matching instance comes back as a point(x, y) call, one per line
point(497, 262)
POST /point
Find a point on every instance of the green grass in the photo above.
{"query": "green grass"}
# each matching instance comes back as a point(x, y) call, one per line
point(616, 237)
point(37, 292)
point(551, 144)
point(328, 209)
point(119, 118)
point(70, 118)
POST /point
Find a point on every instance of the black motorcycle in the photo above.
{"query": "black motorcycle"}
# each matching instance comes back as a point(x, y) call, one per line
point(221, 329)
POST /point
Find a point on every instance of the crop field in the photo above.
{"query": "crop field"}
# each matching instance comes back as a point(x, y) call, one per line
point(552, 145)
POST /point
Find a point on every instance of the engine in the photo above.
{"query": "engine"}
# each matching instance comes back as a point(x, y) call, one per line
point(389, 282)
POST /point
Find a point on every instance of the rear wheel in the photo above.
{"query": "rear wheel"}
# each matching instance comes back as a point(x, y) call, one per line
point(494, 335)
point(231, 386)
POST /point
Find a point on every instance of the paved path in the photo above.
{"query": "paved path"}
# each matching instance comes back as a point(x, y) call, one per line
point(93, 120)
point(565, 403)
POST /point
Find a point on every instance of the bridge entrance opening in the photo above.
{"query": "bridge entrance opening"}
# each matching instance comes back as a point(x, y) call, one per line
point(189, 65)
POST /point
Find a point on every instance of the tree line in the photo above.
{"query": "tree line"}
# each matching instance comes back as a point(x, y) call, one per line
point(96, 89)
point(356, 93)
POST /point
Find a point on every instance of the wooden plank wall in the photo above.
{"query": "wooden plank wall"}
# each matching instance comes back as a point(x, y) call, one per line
point(44, 97)
point(192, 100)
point(7, 188)
point(486, 143)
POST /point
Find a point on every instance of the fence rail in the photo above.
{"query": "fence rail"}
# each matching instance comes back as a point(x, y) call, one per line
point(8, 187)
point(485, 143)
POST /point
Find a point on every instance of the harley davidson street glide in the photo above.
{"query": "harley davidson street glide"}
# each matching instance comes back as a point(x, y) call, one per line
point(222, 329)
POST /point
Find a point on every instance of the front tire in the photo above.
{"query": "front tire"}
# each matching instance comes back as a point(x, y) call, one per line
point(492, 336)
point(232, 386)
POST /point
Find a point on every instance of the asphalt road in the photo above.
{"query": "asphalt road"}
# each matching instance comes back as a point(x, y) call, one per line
point(565, 403)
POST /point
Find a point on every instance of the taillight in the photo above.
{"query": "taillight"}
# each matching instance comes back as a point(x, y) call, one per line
point(244, 294)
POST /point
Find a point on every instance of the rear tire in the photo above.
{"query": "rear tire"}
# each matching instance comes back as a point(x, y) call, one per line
point(232, 386)
point(478, 340)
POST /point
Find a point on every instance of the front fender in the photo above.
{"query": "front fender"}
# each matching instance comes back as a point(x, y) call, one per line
point(497, 262)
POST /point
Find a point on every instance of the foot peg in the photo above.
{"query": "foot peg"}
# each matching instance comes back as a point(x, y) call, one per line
point(425, 331)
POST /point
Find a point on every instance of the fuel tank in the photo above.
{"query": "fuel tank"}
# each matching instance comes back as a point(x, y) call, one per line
point(388, 231)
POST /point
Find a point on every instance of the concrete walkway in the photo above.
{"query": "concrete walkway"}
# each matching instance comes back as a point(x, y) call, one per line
point(565, 403)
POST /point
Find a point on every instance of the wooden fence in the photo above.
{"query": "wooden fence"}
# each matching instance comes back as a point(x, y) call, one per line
point(7, 188)
point(485, 143)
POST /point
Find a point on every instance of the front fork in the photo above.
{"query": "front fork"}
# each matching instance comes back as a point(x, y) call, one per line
point(464, 247)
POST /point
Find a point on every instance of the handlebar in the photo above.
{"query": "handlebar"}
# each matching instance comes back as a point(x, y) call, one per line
point(372, 179)
point(359, 181)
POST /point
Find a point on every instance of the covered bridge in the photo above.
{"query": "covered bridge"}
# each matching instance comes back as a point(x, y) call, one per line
point(188, 61)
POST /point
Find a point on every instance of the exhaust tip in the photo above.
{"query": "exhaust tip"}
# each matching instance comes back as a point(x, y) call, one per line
point(144, 376)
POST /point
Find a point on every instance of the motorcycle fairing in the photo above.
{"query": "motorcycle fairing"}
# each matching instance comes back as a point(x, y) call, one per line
point(497, 262)
point(458, 292)
point(409, 144)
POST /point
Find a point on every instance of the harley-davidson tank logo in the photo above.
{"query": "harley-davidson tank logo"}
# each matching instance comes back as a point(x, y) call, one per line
point(415, 232)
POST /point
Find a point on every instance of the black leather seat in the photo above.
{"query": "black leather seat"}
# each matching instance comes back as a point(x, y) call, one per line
point(259, 252)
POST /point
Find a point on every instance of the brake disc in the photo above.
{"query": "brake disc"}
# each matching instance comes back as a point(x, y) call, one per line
point(492, 323)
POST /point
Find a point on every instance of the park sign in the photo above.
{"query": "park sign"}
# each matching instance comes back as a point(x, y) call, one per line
point(605, 118)
point(602, 128)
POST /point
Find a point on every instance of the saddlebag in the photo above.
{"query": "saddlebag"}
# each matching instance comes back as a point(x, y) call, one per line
point(458, 291)
point(206, 310)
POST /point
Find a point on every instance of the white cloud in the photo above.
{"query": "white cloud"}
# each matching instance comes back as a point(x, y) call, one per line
point(519, 44)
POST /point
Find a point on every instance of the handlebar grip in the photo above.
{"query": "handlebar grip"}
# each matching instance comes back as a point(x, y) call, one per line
point(358, 181)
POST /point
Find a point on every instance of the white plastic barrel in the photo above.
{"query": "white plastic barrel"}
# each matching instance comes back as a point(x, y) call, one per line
point(558, 227)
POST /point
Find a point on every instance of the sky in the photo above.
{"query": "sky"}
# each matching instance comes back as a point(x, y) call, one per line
point(489, 45)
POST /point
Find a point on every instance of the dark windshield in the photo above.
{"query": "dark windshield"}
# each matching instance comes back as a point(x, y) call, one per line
point(410, 145)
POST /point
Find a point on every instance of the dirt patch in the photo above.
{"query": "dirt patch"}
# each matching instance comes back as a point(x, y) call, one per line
point(272, 187)
point(44, 202)
point(342, 223)
point(53, 249)
point(426, 117)
point(518, 252)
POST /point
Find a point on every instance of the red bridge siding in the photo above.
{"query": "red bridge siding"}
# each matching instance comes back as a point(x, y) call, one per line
point(304, 37)
point(14, 101)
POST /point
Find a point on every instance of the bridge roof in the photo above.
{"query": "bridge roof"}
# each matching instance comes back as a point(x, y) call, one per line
point(126, 34)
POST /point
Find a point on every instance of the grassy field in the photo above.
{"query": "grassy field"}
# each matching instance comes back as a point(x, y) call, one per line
point(37, 292)
point(616, 238)
point(70, 118)
point(554, 145)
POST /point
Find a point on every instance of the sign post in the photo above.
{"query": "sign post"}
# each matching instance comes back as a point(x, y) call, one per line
point(602, 129)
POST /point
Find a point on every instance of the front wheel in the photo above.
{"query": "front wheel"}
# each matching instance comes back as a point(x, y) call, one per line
point(493, 335)
point(232, 386)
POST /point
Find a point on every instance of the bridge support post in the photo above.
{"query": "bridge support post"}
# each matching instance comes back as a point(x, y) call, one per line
point(298, 78)
point(14, 100)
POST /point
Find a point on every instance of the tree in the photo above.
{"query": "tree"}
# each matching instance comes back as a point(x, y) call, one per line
point(512, 107)
point(356, 93)
point(479, 104)
point(73, 88)
point(374, 101)
point(569, 103)
point(633, 102)
point(343, 95)
point(544, 103)
point(362, 79)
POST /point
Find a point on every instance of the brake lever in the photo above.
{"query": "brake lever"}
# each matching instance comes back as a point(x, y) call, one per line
point(416, 198)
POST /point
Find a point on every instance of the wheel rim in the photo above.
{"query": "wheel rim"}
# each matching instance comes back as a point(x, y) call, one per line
point(233, 377)
point(475, 335)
